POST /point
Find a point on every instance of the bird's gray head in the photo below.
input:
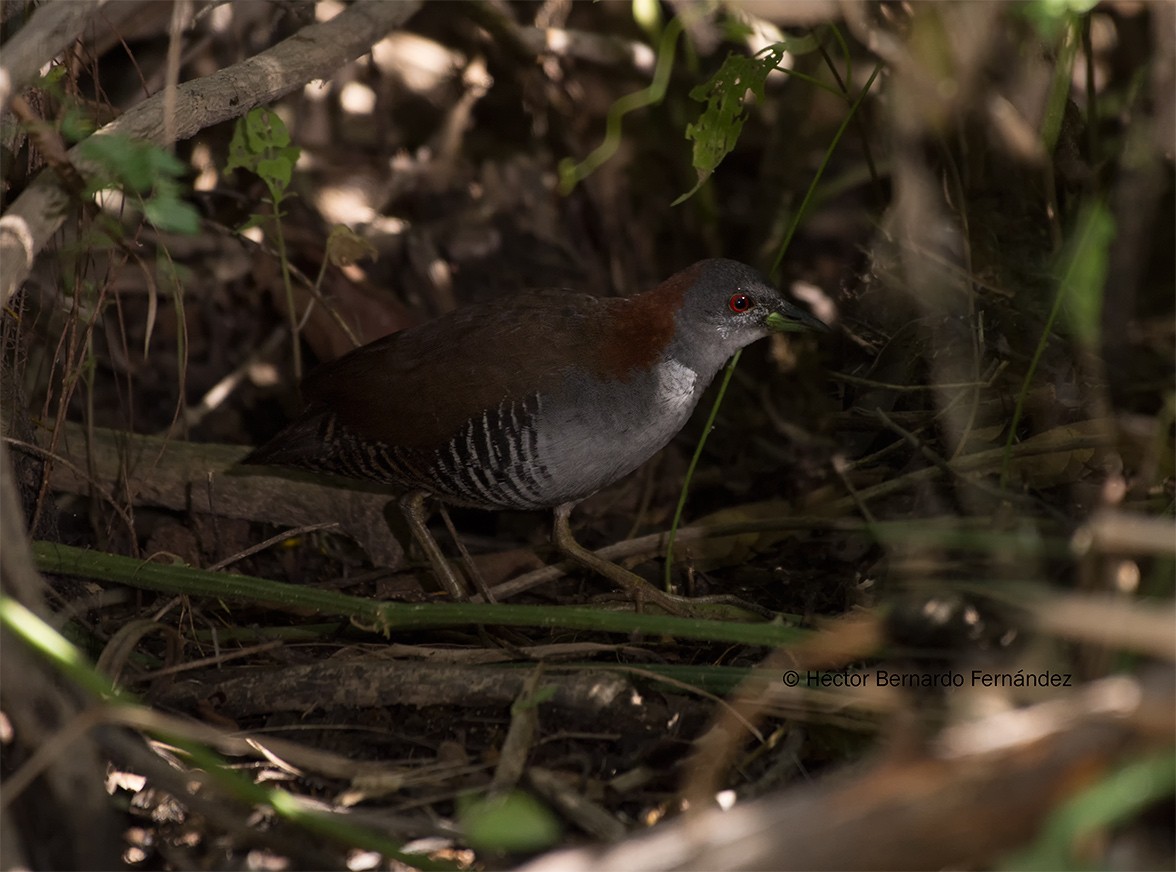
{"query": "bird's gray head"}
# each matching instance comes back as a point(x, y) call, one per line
point(727, 305)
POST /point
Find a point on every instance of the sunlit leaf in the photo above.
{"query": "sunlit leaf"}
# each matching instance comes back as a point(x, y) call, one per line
point(718, 127)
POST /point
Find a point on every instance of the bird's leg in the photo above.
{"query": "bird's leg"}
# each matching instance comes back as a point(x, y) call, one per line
point(467, 561)
point(640, 589)
point(413, 506)
point(721, 606)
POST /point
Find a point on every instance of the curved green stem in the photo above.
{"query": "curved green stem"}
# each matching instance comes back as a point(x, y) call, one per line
point(571, 173)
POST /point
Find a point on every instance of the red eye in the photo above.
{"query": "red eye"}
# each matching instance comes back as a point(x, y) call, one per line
point(739, 303)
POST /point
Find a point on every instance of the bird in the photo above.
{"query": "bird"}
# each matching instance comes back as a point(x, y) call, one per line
point(535, 401)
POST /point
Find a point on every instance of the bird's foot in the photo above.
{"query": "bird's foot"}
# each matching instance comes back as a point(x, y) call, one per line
point(642, 592)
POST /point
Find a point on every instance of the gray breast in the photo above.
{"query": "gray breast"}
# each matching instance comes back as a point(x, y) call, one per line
point(545, 450)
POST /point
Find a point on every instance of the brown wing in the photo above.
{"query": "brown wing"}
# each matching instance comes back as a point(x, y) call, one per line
point(417, 387)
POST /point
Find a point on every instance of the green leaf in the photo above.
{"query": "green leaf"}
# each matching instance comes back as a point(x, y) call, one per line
point(514, 821)
point(275, 171)
point(240, 156)
point(146, 174)
point(721, 121)
point(345, 246)
point(255, 130)
point(120, 163)
point(76, 125)
point(53, 78)
point(261, 145)
point(172, 215)
point(162, 162)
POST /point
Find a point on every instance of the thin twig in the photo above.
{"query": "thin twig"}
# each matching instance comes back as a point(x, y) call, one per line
point(273, 540)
